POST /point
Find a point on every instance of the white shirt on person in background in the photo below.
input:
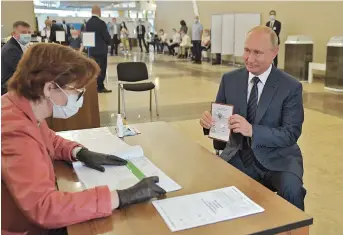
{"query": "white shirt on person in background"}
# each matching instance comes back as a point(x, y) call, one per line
point(176, 39)
point(196, 31)
point(263, 79)
point(186, 41)
point(205, 41)
point(164, 37)
point(115, 28)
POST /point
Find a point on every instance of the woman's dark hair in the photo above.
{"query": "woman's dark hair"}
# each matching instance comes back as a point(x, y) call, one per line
point(48, 62)
point(122, 26)
point(183, 23)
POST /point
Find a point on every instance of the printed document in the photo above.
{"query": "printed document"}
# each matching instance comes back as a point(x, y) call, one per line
point(204, 208)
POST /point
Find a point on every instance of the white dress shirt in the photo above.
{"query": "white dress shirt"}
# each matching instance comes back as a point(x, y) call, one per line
point(263, 79)
point(23, 48)
point(115, 29)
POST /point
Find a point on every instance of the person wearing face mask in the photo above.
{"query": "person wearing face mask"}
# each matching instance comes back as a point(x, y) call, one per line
point(29, 198)
point(197, 30)
point(275, 25)
point(163, 39)
point(13, 50)
point(75, 40)
point(184, 45)
point(141, 36)
point(124, 37)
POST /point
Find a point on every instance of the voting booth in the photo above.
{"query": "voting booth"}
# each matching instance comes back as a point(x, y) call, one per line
point(334, 64)
point(87, 117)
point(298, 55)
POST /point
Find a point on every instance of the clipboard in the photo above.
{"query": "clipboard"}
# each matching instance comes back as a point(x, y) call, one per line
point(220, 113)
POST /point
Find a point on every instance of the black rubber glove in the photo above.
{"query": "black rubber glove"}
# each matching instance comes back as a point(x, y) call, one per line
point(144, 190)
point(96, 160)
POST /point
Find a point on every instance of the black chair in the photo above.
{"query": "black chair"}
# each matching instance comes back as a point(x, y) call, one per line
point(133, 76)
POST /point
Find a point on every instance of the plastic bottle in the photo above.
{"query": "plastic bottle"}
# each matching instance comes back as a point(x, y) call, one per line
point(120, 126)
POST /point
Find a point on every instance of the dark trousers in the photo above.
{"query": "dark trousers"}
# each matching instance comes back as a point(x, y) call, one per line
point(275, 61)
point(101, 60)
point(160, 46)
point(287, 185)
point(171, 48)
point(114, 44)
point(140, 39)
point(196, 50)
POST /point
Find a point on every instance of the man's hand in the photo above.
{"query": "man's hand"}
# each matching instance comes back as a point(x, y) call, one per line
point(239, 124)
point(206, 120)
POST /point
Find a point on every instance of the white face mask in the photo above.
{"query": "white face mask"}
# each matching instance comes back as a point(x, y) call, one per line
point(196, 21)
point(272, 17)
point(24, 38)
point(73, 105)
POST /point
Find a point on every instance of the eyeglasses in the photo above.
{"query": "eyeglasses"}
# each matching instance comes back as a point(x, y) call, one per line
point(80, 91)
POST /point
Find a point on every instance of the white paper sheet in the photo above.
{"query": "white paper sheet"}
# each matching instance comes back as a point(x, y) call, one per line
point(115, 177)
point(60, 36)
point(210, 207)
point(220, 115)
point(88, 39)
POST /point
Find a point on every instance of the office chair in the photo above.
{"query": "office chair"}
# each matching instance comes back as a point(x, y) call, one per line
point(133, 76)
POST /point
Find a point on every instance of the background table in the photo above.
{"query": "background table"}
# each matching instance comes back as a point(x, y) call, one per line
point(196, 170)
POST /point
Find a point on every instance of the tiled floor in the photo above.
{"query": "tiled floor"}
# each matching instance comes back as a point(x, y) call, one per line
point(185, 92)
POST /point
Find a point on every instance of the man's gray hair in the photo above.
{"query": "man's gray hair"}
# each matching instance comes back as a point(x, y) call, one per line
point(273, 37)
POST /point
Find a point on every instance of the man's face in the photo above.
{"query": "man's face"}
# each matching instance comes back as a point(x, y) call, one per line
point(21, 30)
point(114, 21)
point(258, 52)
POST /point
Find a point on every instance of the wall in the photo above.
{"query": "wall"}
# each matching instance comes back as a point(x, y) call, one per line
point(12, 11)
point(321, 20)
point(170, 13)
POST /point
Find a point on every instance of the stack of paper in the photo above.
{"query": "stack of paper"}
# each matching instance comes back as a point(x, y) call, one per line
point(115, 177)
point(199, 209)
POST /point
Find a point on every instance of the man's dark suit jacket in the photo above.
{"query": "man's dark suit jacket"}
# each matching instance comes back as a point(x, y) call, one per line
point(143, 31)
point(11, 53)
point(278, 121)
point(54, 28)
point(102, 36)
point(276, 28)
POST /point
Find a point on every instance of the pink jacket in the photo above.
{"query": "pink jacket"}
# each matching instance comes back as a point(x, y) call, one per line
point(30, 201)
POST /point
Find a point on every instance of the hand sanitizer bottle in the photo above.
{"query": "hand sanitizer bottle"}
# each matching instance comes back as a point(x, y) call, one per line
point(120, 126)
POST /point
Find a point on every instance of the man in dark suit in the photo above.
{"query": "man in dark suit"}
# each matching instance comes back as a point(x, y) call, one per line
point(114, 31)
point(54, 27)
point(83, 26)
point(267, 120)
point(276, 26)
point(102, 40)
point(66, 28)
point(141, 36)
point(12, 52)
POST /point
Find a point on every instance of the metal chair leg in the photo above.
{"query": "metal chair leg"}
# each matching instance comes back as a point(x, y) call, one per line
point(156, 102)
point(119, 98)
point(150, 100)
point(123, 98)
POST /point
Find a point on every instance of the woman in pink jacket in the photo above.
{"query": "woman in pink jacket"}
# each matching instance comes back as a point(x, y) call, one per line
point(50, 80)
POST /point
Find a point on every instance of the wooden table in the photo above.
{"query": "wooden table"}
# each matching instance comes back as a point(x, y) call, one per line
point(196, 170)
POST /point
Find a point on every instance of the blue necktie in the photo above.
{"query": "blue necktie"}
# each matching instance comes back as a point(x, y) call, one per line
point(252, 102)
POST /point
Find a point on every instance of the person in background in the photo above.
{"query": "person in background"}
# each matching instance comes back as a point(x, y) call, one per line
point(162, 42)
point(66, 28)
point(196, 40)
point(184, 27)
point(154, 40)
point(205, 43)
point(102, 40)
point(29, 197)
point(275, 25)
point(75, 40)
point(267, 121)
point(124, 37)
point(54, 27)
point(13, 50)
point(83, 26)
point(45, 33)
point(184, 45)
point(175, 42)
point(141, 36)
point(115, 34)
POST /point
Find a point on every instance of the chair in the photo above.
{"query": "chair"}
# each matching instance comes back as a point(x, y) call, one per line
point(133, 76)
